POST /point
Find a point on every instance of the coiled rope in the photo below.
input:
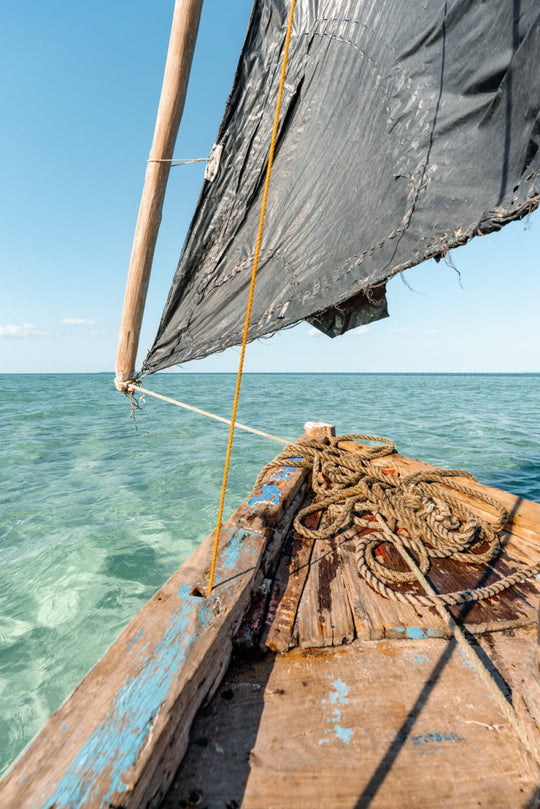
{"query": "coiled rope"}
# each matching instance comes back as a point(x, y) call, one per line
point(419, 515)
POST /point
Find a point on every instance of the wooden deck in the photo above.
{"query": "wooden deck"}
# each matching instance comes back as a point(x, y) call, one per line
point(377, 724)
point(334, 696)
point(369, 702)
point(318, 598)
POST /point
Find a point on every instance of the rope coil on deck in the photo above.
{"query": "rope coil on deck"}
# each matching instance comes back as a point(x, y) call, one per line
point(419, 512)
point(419, 515)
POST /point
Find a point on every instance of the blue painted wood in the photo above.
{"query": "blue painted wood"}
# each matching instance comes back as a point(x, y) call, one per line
point(103, 746)
point(117, 742)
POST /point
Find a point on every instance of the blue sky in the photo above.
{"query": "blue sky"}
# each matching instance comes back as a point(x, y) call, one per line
point(80, 86)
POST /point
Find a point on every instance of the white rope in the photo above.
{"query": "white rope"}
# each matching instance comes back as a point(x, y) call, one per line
point(198, 410)
point(468, 650)
point(178, 161)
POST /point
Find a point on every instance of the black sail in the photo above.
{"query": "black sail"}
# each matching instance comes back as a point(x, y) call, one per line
point(407, 128)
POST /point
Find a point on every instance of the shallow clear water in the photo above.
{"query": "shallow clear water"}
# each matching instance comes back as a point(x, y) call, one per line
point(96, 515)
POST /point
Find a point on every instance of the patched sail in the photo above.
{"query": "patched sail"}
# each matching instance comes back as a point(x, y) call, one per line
point(407, 127)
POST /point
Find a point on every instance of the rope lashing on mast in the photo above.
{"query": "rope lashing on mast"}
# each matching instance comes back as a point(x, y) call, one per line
point(178, 161)
point(133, 388)
point(419, 516)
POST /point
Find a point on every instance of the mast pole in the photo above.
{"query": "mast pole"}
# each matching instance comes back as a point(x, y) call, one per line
point(184, 29)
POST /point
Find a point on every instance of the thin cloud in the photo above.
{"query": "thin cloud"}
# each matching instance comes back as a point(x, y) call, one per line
point(78, 321)
point(21, 331)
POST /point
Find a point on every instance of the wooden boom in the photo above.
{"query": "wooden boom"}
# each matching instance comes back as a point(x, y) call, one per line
point(184, 29)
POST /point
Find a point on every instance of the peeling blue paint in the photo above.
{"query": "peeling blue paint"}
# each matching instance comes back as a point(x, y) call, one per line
point(136, 638)
point(344, 734)
point(415, 632)
point(232, 550)
point(115, 745)
point(99, 772)
point(421, 659)
point(337, 697)
point(418, 632)
point(340, 694)
point(285, 472)
point(269, 494)
point(466, 661)
point(436, 738)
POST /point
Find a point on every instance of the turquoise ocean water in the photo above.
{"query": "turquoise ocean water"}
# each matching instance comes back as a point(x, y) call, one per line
point(95, 514)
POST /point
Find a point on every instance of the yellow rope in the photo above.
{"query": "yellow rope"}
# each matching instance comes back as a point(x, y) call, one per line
point(251, 291)
point(139, 389)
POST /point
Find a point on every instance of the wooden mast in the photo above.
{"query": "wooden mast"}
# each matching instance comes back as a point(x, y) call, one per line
point(171, 105)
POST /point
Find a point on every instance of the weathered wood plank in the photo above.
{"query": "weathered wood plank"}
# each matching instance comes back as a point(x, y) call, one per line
point(363, 621)
point(324, 616)
point(282, 632)
point(380, 724)
point(118, 738)
point(377, 617)
point(280, 635)
point(255, 621)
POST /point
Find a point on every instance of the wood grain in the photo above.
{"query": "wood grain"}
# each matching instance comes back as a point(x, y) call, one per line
point(372, 724)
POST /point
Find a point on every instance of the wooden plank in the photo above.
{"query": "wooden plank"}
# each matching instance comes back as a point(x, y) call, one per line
point(118, 738)
point(324, 616)
point(381, 724)
point(280, 632)
point(364, 624)
point(255, 622)
point(377, 617)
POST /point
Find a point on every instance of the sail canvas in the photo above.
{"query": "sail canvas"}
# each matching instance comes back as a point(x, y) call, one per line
point(407, 128)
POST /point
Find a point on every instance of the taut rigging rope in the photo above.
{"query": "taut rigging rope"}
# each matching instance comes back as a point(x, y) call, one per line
point(252, 289)
point(133, 388)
